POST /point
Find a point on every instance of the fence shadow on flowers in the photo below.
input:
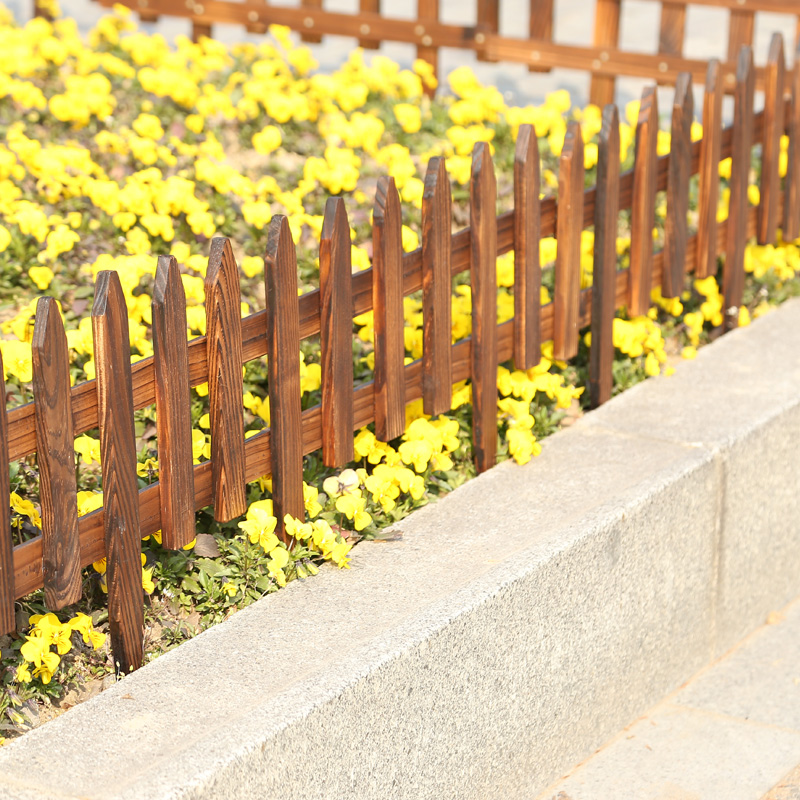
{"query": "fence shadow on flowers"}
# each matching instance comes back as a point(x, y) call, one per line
point(59, 412)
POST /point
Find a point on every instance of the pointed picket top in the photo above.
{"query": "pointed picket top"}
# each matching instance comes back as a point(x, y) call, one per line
point(173, 406)
point(61, 549)
point(336, 335)
point(771, 149)
point(225, 387)
point(676, 233)
point(283, 362)
point(437, 216)
point(527, 270)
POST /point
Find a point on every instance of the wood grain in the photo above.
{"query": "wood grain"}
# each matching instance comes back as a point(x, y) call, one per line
point(671, 28)
point(7, 581)
point(173, 405)
point(791, 205)
point(368, 7)
point(540, 26)
point(708, 196)
point(123, 543)
point(427, 13)
point(601, 354)
point(283, 359)
point(741, 27)
point(644, 204)
point(483, 273)
point(387, 305)
point(770, 153)
point(527, 270)
point(739, 206)
point(436, 289)
point(606, 37)
point(676, 228)
point(487, 23)
point(58, 486)
point(566, 298)
point(310, 38)
point(225, 387)
point(336, 335)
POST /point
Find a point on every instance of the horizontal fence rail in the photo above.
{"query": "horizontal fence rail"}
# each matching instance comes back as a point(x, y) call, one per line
point(58, 413)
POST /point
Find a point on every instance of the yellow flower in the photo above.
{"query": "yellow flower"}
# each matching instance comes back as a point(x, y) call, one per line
point(41, 276)
point(267, 140)
point(408, 116)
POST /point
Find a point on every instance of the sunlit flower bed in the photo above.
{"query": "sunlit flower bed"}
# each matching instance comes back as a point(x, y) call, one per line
point(125, 147)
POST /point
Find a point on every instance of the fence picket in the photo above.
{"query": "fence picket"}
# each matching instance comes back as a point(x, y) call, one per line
point(55, 442)
point(604, 274)
point(225, 387)
point(527, 270)
point(671, 28)
point(283, 359)
point(540, 25)
point(791, 205)
point(437, 287)
point(7, 579)
point(483, 271)
point(173, 406)
point(606, 35)
point(739, 206)
point(566, 298)
point(644, 204)
point(676, 228)
point(741, 27)
point(387, 309)
point(708, 196)
point(771, 150)
point(118, 463)
point(336, 335)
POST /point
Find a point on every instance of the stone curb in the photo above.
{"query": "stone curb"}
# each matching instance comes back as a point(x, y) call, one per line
point(515, 626)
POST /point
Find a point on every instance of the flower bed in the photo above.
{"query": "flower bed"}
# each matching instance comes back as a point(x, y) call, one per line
point(124, 148)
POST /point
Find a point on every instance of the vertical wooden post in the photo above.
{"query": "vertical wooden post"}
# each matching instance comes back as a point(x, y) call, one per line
point(644, 204)
point(710, 148)
point(336, 335)
point(387, 310)
point(488, 22)
point(369, 7)
point(55, 448)
point(527, 270)
point(676, 231)
point(540, 26)
point(428, 12)
point(7, 590)
point(733, 274)
point(200, 29)
point(771, 149)
point(436, 289)
point(311, 38)
point(791, 206)
point(606, 34)
point(741, 27)
point(173, 406)
point(569, 225)
point(671, 29)
point(604, 283)
point(283, 360)
point(483, 271)
point(118, 461)
point(225, 388)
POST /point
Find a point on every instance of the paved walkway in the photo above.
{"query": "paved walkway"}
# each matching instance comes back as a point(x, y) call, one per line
point(731, 733)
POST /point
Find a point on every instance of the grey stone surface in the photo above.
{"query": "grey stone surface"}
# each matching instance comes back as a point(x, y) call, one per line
point(685, 754)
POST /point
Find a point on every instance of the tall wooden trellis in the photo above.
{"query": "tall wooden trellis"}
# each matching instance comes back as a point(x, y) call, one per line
point(59, 412)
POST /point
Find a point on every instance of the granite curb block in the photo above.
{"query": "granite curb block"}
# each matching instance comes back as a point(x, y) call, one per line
point(518, 623)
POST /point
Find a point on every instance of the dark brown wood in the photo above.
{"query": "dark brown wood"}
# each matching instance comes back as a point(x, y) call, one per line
point(606, 37)
point(676, 231)
point(601, 353)
point(644, 204)
point(437, 397)
point(365, 28)
point(791, 205)
point(566, 299)
point(387, 304)
point(336, 335)
point(708, 196)
point(123, 542)
point(427, 13)
point(311, 38)
point(173, 406)
point(527, 270)
point(540, 26)
point(7, 581)
point(58, 486)
point(483, 274)
point(741, 28)
point(283, 359)
point(225, 388)
point(771, 151)
point(200, 29)
point(738, 206)
point(487, 23)
point(671, 29)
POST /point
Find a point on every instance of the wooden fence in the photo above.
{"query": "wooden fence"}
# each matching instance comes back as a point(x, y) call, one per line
point(603, 59)
point(59, 412)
